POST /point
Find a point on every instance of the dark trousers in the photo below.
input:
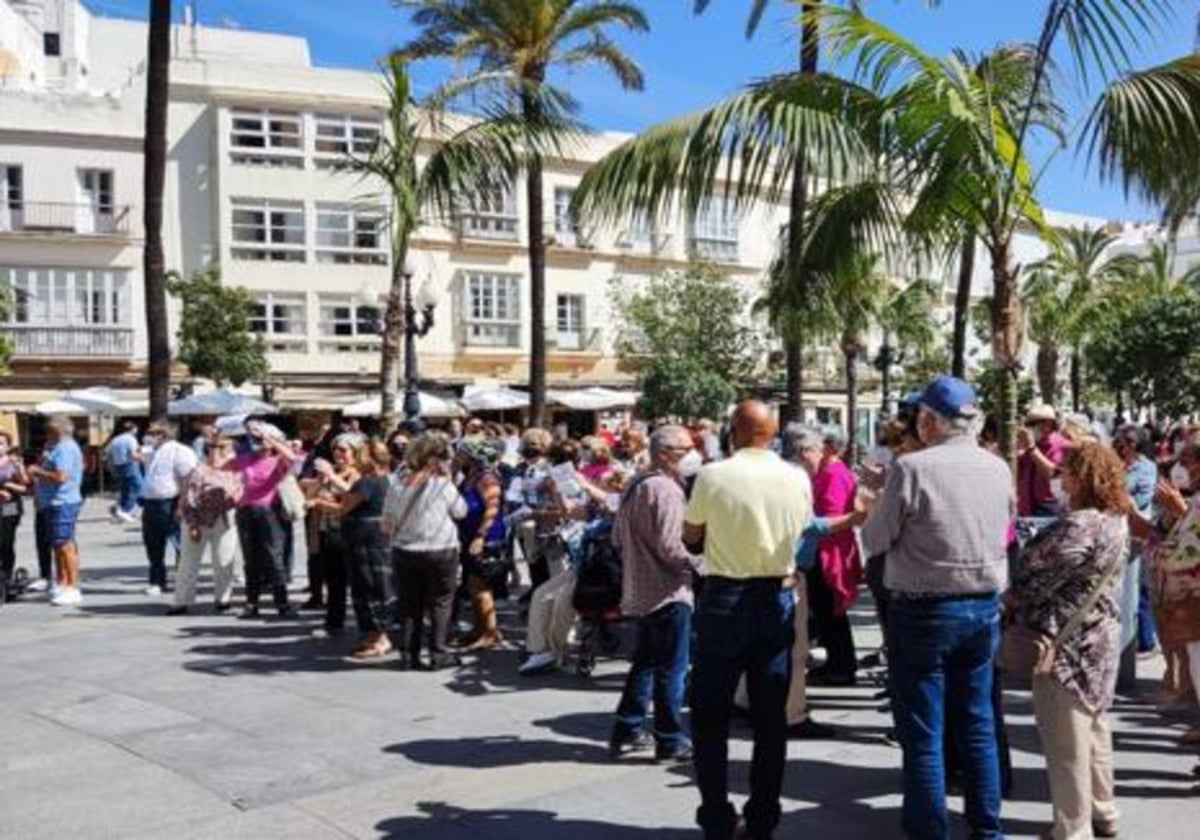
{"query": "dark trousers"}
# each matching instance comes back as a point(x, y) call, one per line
point(333, 559)
point(658, 671)
point(742, 626)
point(832, 630)
point(879, 592)
point(8, 546)
point(426, 581)
point(159, 527)
point(1147, 635)
point(316, 571)
point(260, 531)
point(372, 591)
point(44, 544)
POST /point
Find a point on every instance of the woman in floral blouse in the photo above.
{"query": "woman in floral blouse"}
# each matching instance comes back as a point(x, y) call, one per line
point(1063, 566)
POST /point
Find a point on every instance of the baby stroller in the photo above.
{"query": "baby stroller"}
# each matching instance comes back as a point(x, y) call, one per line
point(597, 597)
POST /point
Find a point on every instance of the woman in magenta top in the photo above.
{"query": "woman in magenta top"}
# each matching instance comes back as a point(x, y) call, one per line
point(833, 583)
point(263, 461)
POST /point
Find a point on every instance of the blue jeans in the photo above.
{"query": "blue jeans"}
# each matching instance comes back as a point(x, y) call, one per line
point(658, 670)
point(130, 478)
point(940, 653)
point(1147, 635)
point(742, 626)
point(159, 527)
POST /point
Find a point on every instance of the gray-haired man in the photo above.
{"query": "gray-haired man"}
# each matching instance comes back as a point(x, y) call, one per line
point(657, 588)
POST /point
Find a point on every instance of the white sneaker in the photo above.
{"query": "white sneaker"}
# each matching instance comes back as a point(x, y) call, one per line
point(39, 585)
point(538, 662)
point(67, 596)
point(153, 590)
point(126, 518)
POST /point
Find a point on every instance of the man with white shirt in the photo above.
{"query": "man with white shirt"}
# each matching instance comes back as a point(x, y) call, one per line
point(167, 469)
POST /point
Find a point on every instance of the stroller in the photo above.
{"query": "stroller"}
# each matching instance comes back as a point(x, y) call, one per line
point(597, 597)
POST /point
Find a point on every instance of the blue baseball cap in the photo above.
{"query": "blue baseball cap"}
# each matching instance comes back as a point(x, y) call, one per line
point(950, 397)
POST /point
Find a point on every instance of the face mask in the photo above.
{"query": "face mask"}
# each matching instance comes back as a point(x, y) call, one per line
point(151, 441)
point(3, 449)
point(882, 455)
point(1056, 489)
point(1177, 447)
point(613, 502)
point(1180, 477)
point(690, 463)
point(586, 457)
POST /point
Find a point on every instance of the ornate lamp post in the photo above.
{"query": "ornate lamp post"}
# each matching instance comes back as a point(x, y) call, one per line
point(418, 321)
point(887, 356)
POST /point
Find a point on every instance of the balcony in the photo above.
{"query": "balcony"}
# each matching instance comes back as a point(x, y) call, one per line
point(59, 217)
point(79, 342)
point(496, 227)
point(493, 334)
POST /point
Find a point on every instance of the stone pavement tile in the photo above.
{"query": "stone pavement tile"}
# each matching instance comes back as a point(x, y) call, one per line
point(283, 820)
point(248, 771)
point(112, 716)
point(56, 783)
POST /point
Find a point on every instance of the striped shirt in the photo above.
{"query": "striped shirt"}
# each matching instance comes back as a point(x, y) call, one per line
point(942, 521)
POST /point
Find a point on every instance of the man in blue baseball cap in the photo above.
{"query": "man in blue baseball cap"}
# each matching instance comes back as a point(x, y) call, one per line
point(942, 519)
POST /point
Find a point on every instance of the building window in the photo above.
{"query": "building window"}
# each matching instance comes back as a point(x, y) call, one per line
point(491, 214)
point(280, 319)
point(492, 316)
point(564, 221)
point(268, 138)
point(341, 318)
point(570, 334)
point(351, 235)
point(51, 44)
point(95, 212)
point(338, 136)
point(715, 230)
point(11, 197)
point(65, 297)
point(268, 230)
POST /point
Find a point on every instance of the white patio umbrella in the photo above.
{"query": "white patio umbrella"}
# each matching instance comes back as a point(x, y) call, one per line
point(594, 399)
point(71, 409)
point(494, 399)
point(105, 401)
point(223, 401)
point(431, 406)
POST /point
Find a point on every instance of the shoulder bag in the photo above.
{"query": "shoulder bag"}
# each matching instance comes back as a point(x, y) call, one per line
point(1025, 652)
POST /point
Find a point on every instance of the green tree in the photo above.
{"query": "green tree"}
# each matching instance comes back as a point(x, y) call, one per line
point(698, 314)
point(1150, 351)
point(6, 344)
point(154, 174)
point(214, 335)
point(682, 387)
point(480, 154)
point(514, 47)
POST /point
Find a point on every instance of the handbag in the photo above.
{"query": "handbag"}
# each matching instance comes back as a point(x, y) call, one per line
point(1025, 652)
point(291, 498)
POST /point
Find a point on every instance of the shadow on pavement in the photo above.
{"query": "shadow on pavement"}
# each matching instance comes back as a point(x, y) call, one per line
point(441, 820)
point(497, 751)
point(267, 646)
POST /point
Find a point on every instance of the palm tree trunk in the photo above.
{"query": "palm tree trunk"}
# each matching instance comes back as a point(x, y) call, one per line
point(534, 192)
point(1006, 346)
point(154, 176)
point(1047, 372)
point(393, 332)
point(1076, 379)
point(793, 348)
point(962, 306)
point(851, 356)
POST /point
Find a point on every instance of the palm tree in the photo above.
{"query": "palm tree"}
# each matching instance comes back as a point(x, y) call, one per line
point(906, 317)
point(514, 47)
point(1045, 300)
point(480, 154)
point(894, 143)
point(1069, 281)
point(154, 175)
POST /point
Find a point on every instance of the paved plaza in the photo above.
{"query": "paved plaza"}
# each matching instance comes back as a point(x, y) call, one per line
point(118, 722)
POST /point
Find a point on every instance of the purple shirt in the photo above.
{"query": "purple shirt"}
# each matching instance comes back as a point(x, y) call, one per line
point(1033, 488)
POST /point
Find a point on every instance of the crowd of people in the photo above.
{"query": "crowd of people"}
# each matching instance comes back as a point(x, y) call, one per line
point(733, 553)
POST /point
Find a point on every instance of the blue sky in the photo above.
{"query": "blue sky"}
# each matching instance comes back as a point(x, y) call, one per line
point(691, 61)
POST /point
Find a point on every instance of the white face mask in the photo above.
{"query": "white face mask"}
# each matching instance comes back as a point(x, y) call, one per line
point(1056, 488)
point(882, 455)
point(1180, 477)
point(613, 502)
point(690, 463)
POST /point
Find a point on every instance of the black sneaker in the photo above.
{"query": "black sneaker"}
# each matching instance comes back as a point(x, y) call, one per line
point(673, 754)
point(249, 611)
point(809, 730)
point(176, 611)
point(288, 611)
point(821, 677)
point(640, 742)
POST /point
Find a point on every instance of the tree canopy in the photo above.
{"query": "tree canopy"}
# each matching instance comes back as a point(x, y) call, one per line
point(214, 329)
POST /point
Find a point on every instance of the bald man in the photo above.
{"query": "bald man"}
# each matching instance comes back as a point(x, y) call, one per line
point(749, 511)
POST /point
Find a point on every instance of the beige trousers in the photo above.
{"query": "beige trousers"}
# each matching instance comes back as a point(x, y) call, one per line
point(222, 539)
point(551, 615)
point(1079, 760)
point(797, 702)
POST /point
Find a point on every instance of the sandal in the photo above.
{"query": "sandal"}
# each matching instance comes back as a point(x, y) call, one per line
point(378, 646)
point(486, 642)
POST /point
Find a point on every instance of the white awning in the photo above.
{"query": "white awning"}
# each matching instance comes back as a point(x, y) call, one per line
point(222, 401)
point(494, 399)
point(593, 399)
point(431, 406)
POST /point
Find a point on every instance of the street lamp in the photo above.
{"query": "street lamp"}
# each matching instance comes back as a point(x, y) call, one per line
point(888, 356)
point(418, 321)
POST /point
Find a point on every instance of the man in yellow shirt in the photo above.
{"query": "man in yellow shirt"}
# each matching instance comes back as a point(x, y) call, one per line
point(749, 511)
